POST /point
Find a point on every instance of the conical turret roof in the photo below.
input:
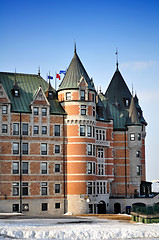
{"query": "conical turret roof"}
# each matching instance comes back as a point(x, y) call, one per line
point(74, 74)
point(118, 91)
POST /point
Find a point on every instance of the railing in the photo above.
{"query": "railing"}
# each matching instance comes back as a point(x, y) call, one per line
point(148, 210)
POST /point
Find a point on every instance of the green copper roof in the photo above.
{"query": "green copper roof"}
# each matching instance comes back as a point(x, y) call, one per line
point(117, 91)
point(28, 85)
point(73, 75)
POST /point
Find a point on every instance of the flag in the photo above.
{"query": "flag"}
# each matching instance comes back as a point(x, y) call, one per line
point(58, 76)
point(62, 72)
point(50, 77)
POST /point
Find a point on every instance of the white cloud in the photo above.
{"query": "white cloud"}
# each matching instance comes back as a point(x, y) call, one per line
point(149, 95)
point(140, 65)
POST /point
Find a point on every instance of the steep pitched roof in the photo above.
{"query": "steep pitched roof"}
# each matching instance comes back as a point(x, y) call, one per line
point(74, 74)
point(118, 91)
point(133, 118)
point(28, 85)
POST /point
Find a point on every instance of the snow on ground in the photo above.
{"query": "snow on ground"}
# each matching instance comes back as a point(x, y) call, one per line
point(77, 229)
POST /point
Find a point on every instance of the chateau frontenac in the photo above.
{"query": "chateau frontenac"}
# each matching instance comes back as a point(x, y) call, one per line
point(72, 150)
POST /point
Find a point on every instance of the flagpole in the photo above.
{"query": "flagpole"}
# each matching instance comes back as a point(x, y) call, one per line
point(55, 80)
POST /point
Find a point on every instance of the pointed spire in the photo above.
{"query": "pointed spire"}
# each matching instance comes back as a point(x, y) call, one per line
point(74, 47)
point(132, 90)
point(39, 71)
point(133, 114)
point(117, 63)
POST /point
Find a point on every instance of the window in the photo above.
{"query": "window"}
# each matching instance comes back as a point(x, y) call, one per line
point(36, 111)
point(15, 167)
point(25, 148)
point(98, 134)
point(43, 149)
point(138, 154)
point(15, 207)
point(4, 109)
point(44, 206)
point(57, 130)
point(89, 131)
point(43, 168)
point(15, 189)
point(57, 188)
point(139, 170)
point(91, 188)
point(89, 149)
point(68, 96)
point(82, 95)
point(44, 111)
point(57, 148)
point(50, 96)
point(83, 109)
point(103, 135)
point(15, 128)
point(25, 129)
point(92, 97)
point(25, 167)
point(139, 137)
point(44, 130)
point(101, 187)
point(100, 153)
point(57, 205)
point(57, 167)
point(4, 128)
point(132, 136)
point(91, 168)
point(82, 130)
point(16, 93)
point(36, 130)
point(25, 188)
point(93, 131)
point(100, 169)
point(15, 148)
point(94, 150)
point(44, 188)
point(127, 102)
point(94, 112)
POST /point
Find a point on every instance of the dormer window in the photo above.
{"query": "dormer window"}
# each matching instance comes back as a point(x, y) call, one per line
point(16, 93)
point(68, 96)
point(82, 95)
point(4, 109)
point(36, 111)
point(127, 102)
point(50, 95)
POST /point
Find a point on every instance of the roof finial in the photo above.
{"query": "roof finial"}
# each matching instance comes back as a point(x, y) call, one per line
point(132, 90)
point(74, 47)
point(39, 71)
point(117, 63)
point(15, 81)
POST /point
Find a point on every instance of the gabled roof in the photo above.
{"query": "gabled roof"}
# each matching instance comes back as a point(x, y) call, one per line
point(74, 74)
point(133, 118)
point(28, 85)
point(118, 91)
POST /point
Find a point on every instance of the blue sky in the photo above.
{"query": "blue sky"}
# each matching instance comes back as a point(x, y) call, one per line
point(42, 33)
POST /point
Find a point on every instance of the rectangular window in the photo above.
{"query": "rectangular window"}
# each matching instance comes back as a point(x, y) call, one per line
point(93, 131)
point(4, 128)
point(83, 95)
point(44, 168)
point(57, 130)
point(15, 207)
point(36, 111)
point(44, 188)
point(91, 188)
point(25, 148)
point(139, 170)
point(15, 189)
point(104, 138)
point(4, 109)
point(25, 188)
point(100, 153)
point(82, 130)
point(91, 168)
point(83, 109)
point(100, 169)
point(57, 167)
point(44, 111)
point(44, 130)
point(15, 148)
point(89, 131)
point(92, 97)
point(89, 149)
point(68, 96)
point(94, 112)
point(36, 130)
point(132, 136)
point(44, 206)
point(25, 167)
point(43, 149)
point(15, 128)
point(57, 205)
point(57, 148)
point(15, 168)
point(138, 153)
point(25, 129)
point(139, 137)
point(57, 188)
point(94, 150)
